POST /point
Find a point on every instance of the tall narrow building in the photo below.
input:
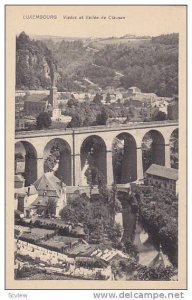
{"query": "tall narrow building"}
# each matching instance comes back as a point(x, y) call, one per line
point(53, 94)
point(53, 97)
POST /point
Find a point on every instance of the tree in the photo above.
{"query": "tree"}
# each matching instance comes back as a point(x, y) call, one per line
point(113, 203)
point(117, 152)
point(76, 121)
point(159, 217)
point(159, 273)
point(130, 249)
point(97, 99)
point(94, 214)
point(43, 120)
point(108, 98)
point(56, 152)
point(102, 117)
point(77, 210)
point(131, 112)
point(124, 268)
point(115, 232)
point(51, 207)
point(50, 163)
point(72, 102)
point(159, 116)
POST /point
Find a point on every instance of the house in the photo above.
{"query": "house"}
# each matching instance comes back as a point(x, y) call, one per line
point(19, 164)
point(46, 196)
point(41, 102)
point(82, 97)
point(35, 104)
point(25, 122)
point(19, 106)
point(19, 181)
point(160, 260)
point(144, 97)
point(34, 235)
point(135, 94)
point(151, 111)
point(111, 97)
point(24, 197)
point(133, 90)
point(19, 123)
point(51, 193)
point(162, 105)
point(162, 177)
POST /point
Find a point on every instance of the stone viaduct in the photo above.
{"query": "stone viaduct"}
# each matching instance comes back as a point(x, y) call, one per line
point(36, 146)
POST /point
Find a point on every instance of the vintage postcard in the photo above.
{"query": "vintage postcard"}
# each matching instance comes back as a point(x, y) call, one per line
point(96, 147)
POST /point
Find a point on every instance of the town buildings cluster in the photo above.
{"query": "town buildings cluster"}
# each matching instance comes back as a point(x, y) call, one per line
point(52, 244)
point(29, 104)
point(58, 247)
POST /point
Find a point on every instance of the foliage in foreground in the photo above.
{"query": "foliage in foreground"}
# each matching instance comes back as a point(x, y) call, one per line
point(159, 217)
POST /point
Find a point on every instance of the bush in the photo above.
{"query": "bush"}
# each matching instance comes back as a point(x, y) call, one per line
point(43, 120)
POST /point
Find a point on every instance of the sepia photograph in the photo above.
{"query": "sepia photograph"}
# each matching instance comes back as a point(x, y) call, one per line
point(96, 146)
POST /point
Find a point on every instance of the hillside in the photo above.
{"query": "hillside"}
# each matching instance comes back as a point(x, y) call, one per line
point(126, 40)
point(151, 63)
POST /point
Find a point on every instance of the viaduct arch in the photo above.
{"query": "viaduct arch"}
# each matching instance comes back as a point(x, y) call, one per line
point(57, 156)
point(77, 147)
point(124, 158)
point(26, 161)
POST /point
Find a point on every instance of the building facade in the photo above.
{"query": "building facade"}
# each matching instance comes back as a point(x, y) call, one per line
point(162, 177)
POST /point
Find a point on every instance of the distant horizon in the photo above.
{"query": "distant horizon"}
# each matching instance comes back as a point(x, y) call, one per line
point(34, 35)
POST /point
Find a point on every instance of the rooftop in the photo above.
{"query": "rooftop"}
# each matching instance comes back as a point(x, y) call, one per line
point(35, 234)
point(133, 88)
point(36, 98)
point(160, 260)
point(82, 250)
point(163, 172)
point(19, 178)
point(49, 182)
point(30, 190)
point(61, 242)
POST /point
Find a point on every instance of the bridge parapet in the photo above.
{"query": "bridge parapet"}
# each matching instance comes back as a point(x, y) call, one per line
point(95, 129)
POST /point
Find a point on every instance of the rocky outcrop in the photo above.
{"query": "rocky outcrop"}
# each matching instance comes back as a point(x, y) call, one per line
point(33, 63)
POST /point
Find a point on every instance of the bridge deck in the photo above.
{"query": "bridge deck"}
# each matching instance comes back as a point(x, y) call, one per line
point(90, 129)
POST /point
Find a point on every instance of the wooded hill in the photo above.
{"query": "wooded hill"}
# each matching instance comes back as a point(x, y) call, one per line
point(152, 64)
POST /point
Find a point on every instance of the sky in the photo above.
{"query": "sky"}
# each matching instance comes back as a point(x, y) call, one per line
point(138, 20)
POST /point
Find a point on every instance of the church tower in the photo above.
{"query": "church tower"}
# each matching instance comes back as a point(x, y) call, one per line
point(56, 111)
point(53, 97)
point(53, 93)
